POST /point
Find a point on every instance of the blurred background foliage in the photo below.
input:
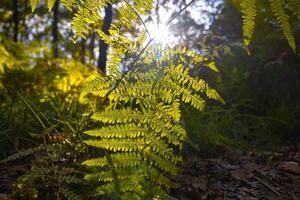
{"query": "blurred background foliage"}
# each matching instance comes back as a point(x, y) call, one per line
point(41, 72)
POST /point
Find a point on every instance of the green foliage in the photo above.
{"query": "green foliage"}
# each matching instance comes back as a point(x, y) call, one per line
point(41, 121)
point(88, 13)
point(50, 4)
point(280, 10)
point(249, 13)
point(283, 19)
point(34, 4)
point(22, 153)
point(141, 123)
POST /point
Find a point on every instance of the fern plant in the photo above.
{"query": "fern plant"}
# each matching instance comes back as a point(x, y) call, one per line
point(141, 129)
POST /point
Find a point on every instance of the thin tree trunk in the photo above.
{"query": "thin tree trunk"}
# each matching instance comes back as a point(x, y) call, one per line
point(16, 19)
point(92, 48)
point(55, 30)
point(103, 46)
point(83, 50)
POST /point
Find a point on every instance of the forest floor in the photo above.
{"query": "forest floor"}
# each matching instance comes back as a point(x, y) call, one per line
point(268, 175)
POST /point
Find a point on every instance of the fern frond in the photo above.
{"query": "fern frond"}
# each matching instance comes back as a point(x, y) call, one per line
point(127, 185)
point(34, 4)
point(118, 159)
point(94, 83)
point(22, 153)
point(154, 175)
point(180, 75)
point(107, 176)
point(69, 4)
point(248, 9)
point(126, 15)
point(161, 163)
point(96, 162)
point(50, 4)
point(185, 94)
point(277, 7)
point(113, 64)
point(118, 131)
point(124, 115)
point(126, 145)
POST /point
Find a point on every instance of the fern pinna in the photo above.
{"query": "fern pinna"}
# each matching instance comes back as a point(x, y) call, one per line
point(141, 129)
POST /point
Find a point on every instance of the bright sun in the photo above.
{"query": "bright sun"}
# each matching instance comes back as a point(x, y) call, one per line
point(161, 33)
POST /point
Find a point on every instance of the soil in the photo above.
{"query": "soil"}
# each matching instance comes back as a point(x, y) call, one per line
point(268, 175)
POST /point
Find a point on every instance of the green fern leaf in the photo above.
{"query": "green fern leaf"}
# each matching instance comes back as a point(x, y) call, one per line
point(125, 145)
point(249, 13)
point(50, 4)
point(277, 7)
point(22, 153)
point(118, 131)
point(68, 4)
point(34, 4)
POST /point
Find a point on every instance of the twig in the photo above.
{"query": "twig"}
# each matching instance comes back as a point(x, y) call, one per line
point(183, 9)
point(266, 184)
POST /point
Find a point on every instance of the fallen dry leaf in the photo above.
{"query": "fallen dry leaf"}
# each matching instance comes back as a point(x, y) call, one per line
point(290, 166)
point(239, 174)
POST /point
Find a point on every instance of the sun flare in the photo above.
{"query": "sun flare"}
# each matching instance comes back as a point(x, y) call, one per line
point(161, 34)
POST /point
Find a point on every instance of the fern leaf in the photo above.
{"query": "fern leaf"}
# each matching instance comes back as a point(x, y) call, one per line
point(118, 131)
point(68, 4)
point(277, 7)
point(22, 153)
point(212, 65)
point(249, 13)
point(127, 185)
point(50, 4)
point(34, 4)
point(126, 145)
point(96, 162)
point(107, 176)
point(124, 115)
point(154, 175)
point(94, 83)
point(118, 159)
point(161, 163)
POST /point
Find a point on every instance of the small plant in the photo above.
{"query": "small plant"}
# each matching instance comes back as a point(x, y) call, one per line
point(141, 131)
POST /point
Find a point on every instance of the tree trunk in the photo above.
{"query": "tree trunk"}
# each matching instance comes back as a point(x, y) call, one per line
point(103, 46)
point(83, 50)
point(91, 48)
point(16, 19)
point(55, 30)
